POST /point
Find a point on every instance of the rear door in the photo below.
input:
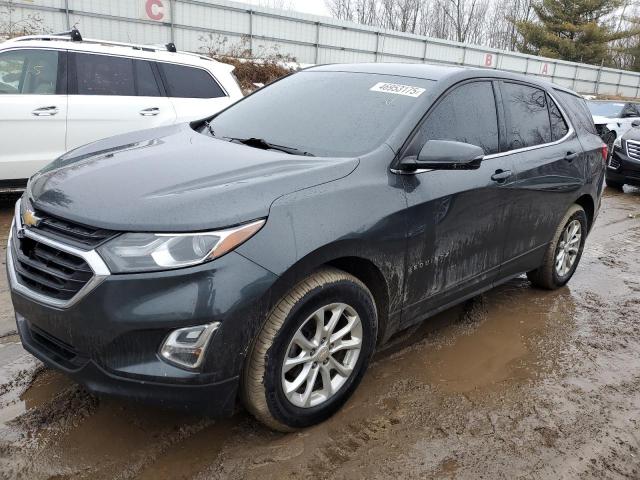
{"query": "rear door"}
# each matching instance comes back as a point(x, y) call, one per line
point(110, 95)
point(33, 110)
point(550, 165)
point(194, 92)
point(458, 219)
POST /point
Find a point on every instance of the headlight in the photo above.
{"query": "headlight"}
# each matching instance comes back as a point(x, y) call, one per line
point(146, 252)
point(617, 142)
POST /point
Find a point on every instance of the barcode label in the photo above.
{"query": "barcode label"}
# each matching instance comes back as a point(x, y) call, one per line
point(398, 89)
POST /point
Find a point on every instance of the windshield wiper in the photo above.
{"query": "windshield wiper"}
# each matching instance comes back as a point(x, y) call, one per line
point(263, 144)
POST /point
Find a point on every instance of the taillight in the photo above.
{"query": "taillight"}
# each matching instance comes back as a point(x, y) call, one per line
point(605, 152)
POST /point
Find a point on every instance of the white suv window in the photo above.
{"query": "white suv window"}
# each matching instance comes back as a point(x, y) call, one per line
point(189, 82)
point(104, 75)
point(29, 72)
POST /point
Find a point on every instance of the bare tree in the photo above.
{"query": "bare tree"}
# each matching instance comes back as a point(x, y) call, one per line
point(11, 26)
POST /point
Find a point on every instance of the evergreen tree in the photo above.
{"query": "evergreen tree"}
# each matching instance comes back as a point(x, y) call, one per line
point(571, 30)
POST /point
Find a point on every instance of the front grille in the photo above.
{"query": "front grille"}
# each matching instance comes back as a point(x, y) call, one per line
point(73, 233)
point(48, 270)
point(633, 149)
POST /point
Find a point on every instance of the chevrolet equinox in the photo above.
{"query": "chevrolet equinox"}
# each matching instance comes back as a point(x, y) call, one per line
point(264, 253)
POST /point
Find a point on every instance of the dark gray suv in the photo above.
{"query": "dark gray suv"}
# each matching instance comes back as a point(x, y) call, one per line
point(264, 253)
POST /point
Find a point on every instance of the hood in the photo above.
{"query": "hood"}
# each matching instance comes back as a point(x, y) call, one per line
point(173, 179)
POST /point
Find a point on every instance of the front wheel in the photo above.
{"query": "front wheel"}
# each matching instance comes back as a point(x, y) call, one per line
point(564, 252)
point(312, 351)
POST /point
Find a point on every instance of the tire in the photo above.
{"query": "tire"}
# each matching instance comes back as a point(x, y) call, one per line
point(264, 376)
point(614, 185)
point(548, 275)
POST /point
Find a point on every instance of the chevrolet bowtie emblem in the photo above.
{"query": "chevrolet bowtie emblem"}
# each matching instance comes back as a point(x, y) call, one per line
point(29, 219)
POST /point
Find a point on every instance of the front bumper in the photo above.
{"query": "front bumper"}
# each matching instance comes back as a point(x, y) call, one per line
point(108, 340)
point(623, 169)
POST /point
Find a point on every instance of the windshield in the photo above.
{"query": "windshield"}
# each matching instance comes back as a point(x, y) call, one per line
point(606, 109)
point(324, 113)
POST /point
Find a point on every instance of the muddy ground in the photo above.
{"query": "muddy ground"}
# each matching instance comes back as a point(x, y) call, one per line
point(516, 383)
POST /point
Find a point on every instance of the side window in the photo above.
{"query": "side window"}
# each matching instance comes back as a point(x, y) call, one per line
point(527, 116)
point(578, 111)
point(467, 114)
point(559, 127)
point(189, 82)
point(104, 75)
point(146, 85)
point(29, 72)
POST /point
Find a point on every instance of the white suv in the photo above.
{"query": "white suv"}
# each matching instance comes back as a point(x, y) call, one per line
point(58, 92)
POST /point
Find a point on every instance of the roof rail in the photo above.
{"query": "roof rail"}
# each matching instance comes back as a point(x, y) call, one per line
point(75, 36)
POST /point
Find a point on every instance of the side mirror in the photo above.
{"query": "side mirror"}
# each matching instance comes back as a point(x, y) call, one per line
point(635, 123)
point(445, 155)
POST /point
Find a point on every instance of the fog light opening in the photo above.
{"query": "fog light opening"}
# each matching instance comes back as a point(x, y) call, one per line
point(186, 347)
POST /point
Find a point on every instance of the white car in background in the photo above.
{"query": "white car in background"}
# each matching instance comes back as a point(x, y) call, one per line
point(613, 119)
point(58, 92)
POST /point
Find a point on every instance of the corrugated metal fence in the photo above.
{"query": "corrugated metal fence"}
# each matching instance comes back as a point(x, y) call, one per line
point(192, 24)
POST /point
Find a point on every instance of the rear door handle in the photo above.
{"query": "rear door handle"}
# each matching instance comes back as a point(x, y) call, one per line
point(501, 176)
point(45, 111)
point(150, 112)
point(570, 156)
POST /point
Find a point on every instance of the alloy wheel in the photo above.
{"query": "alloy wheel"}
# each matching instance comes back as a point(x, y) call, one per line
point(322, 355)
point(568, 248)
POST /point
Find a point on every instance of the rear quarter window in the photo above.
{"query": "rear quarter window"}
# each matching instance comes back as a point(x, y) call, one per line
point(578, 111)
point(190, 82)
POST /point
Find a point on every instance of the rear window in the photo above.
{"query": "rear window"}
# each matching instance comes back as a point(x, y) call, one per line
point(527, 116)
point(325, 113)
point(104, 75)
point(189, 82)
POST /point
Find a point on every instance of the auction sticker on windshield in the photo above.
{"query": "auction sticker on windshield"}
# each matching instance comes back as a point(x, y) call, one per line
point(398, 89)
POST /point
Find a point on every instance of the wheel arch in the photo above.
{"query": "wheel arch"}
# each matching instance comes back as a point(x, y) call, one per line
point(348, 260)
point(587, 203)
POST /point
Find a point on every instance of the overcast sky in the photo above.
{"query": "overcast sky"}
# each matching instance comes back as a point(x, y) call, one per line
point(315, 7)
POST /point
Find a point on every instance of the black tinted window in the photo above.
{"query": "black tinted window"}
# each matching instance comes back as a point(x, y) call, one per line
point(559, 127)
point(325, 113)
point(527, 116)
point(468, 114)
point(104, 75)
point(188, 82)
point(146, 84)
point(578, 111)
point(29, 72)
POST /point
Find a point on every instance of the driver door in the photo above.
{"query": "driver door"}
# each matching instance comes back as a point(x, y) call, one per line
point(458, 219)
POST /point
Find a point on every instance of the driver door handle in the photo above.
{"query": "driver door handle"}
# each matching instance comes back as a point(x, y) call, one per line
point(45, 111)
point(150, 112)
point(501, 175)
point(570, 156)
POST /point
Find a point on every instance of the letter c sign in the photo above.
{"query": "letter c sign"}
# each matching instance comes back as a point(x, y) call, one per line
point(154, 9)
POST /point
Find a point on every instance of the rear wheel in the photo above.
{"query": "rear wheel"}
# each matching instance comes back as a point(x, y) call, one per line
point(312, 351)
point(564, 252)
